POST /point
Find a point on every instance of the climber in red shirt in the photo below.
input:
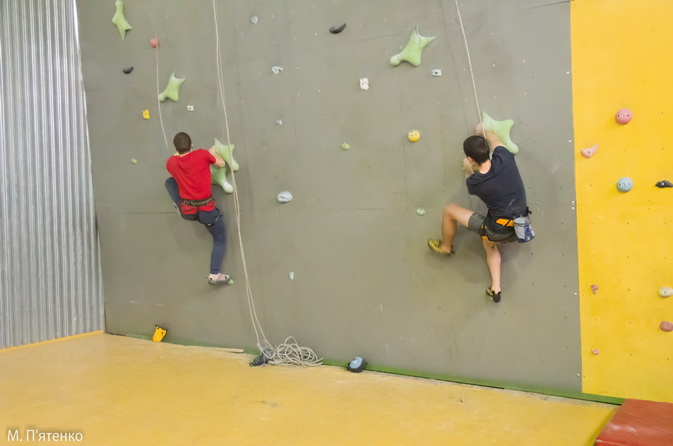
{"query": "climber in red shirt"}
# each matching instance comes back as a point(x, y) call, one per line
point(191, 191)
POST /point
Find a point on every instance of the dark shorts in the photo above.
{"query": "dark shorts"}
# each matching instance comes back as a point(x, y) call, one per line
point(500, 234)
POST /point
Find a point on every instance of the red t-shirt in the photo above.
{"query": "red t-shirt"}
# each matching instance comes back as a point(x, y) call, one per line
point(192, 172)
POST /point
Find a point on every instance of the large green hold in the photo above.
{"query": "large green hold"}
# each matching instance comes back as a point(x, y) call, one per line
point(172, 89)
point(226, 152)
point(120, 20)
point(413, 51)
point(502, 130)
point(219, 177)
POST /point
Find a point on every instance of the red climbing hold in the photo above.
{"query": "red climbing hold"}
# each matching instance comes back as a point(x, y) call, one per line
point(623, 116)
point(154, 42)
point(588, 153)
point(666, 326)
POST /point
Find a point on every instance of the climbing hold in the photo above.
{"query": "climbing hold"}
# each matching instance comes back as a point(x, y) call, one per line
point(594, 289)
point(127, 70)
point(664, 183)
point(159, 334)
point(227, 154)
point(230, 282)
point(146, 114)
point(420, 212)
point(172, 89)
point(190, 108)
point(414, 135)
point(364, 84)
point(291, 275)
point(284, 197)
point(154, 42)
point(345, 146)
point(254, 19)
point(624, 184)
point(623, 116)
point(436, 72)
point(666, 326)
point(337, 30)
point(591, 151)
point(279, 122)
point(502, 130)
point(276, 70)
point(595, 351)
point(119, 20)
point(264, 356)
point(134, 161)
point(219, 177)
point(357, 365)
point(413, 50)
point(665, 291)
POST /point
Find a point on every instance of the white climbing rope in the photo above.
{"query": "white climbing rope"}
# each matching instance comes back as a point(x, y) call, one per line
point(288, 353)
point(161, 119)
point(469, 63)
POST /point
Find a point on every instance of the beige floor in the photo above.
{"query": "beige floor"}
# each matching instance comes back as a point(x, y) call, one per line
point(123, 391)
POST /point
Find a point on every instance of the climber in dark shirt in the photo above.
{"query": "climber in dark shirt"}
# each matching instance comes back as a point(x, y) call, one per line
point(493, 176)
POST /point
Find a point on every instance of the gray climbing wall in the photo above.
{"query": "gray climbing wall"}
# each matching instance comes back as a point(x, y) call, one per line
point(364, 281)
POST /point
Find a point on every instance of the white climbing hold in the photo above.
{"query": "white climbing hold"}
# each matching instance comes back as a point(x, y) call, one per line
point(284, 197)
point(190, 108)
point(420, 211)
point(254, 19)
point(436, 72)
point(279, 122)
point(276, 69)
point(364, 84)
point(665, 291)
point(291, 275)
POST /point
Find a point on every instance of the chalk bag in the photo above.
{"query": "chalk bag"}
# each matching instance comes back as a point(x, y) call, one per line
point(523, 229)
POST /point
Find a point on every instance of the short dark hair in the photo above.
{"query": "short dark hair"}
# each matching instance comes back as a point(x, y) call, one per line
point(476, 147)
point(182, 142)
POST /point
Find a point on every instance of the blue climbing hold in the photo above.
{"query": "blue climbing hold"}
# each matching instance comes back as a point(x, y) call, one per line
point(624, 184)
point(357, 365)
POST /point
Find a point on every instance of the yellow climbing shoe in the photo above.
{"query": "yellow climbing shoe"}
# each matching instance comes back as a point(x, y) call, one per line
point(436, 246)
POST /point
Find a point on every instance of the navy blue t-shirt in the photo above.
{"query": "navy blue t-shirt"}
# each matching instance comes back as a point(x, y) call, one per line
point(501, 188)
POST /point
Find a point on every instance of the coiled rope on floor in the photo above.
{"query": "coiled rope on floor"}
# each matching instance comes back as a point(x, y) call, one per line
point(289, 352)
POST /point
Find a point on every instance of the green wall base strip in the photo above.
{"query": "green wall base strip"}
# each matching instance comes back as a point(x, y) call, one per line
point(435, 376)
point(487, 383)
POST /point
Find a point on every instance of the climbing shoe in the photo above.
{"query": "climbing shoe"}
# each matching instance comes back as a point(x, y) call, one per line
point(219, 279)
point(495, 297)
point(436, 246)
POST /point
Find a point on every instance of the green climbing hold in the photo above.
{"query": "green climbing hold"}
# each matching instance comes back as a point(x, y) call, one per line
point(134, 161)
point(413, 51)
point(345, 146)
point(227, 154)
point(172, 89)
point(219, 177)
point(119, 20)
point(502, 130)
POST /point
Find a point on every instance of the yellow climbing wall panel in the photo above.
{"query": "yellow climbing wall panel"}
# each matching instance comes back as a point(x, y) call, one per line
point(622, 58)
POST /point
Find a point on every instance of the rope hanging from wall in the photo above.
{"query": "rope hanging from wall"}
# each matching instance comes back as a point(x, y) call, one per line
point(289, 352)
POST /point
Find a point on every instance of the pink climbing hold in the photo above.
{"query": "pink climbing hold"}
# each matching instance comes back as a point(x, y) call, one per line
point(588, 153)
point(666, 326)
point(595, 351)
point(154, 42)
point(594, 289)
point(623, 116)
